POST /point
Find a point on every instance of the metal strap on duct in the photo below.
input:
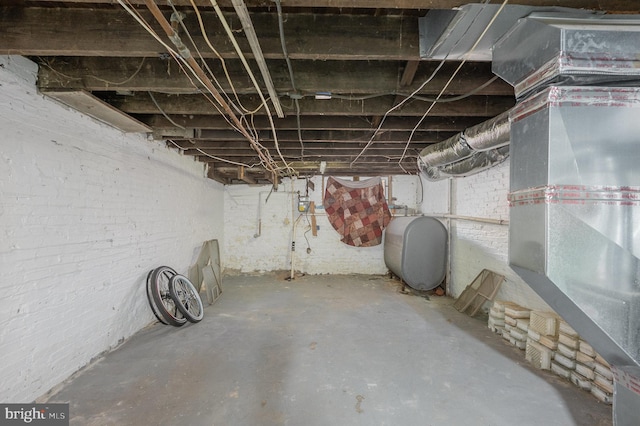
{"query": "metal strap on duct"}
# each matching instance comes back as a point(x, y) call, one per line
point(471, 151)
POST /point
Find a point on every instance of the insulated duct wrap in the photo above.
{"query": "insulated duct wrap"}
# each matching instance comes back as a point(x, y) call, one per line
point(477, 148)
point(446, 152)
point(491, 134)
point(478, 162)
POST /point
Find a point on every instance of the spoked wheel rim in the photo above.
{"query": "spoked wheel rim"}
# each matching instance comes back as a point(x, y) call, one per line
point(186, 298)
point(152, 302)
point(160, 279)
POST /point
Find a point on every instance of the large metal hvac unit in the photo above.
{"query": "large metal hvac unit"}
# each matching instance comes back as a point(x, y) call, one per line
point(575, 222)
point(569, 50)
point(574, 233)
point(415, 250)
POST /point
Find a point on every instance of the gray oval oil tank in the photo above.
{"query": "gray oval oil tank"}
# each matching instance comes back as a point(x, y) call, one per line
point(415, 249)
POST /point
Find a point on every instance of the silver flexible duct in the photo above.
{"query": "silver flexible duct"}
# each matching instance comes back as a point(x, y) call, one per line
point(446, 152)
point(490, 134)
point(475, 149)
point(479, 161)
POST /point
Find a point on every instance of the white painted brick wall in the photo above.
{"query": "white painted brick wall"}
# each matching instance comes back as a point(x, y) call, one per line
point(86, 211)
point(476, 246)
point(271, 251)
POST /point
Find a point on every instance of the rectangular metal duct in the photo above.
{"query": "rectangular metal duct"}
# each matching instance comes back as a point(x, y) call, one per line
point(574, 231)
point(547, 49)
point(450, 34)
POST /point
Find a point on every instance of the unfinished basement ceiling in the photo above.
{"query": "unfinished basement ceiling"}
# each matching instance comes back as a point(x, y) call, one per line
point(352, 62)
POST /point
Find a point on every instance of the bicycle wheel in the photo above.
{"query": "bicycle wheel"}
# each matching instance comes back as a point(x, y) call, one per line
point(167, 308)
point(186, 297)
point(152, 303)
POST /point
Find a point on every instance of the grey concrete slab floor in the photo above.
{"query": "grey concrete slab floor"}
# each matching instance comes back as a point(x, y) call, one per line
point(323, 350)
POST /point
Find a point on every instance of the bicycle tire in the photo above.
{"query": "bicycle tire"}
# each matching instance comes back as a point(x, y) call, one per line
point(160, 278)
point(152, 302)
point(186, 298)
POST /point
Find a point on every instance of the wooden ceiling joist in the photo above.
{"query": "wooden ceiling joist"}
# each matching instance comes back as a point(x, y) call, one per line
point(113, 33)
point(609, 5)
point(435, 124)
point(338, 77)
point(473, 106)
point(362, 55)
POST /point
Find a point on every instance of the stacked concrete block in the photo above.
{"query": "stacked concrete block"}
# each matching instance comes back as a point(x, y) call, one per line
point(538, 355)
point(543, 330)
point(564, 359)
point(496, 317)
point(516, 324)
point(551, 344)
point(602, 387)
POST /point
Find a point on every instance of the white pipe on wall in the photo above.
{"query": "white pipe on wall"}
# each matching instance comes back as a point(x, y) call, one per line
point(470, 218)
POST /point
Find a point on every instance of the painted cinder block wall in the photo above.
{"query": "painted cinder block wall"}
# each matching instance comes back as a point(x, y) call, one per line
point(475, 245)
point(250, 248)
point(85, 212)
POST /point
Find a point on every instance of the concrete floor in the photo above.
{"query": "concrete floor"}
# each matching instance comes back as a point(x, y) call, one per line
point(324, 350)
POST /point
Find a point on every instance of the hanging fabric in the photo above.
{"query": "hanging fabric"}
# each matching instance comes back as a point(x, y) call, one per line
point(357, 210)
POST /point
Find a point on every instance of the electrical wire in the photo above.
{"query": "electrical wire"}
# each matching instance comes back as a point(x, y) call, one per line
point(249, 166)
point(417, 97)
point(263, 153)
point(179, 18)
point(291, 76)
point(429, 79)
point(453, 76)
point(177, 57)
point(234, 42)
point(47, 64)
point(153, 99)
point(224, 160)
point(222, 61)
point(375, 133)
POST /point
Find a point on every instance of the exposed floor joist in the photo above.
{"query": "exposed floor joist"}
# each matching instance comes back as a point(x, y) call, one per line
point(362, 54)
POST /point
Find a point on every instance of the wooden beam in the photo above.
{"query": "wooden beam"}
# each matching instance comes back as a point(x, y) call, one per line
point(373, 162)
point(436, 124)
point(313, 136)
point(88, 104)
point(338, 77)
point(309, 153)
point(473, 106)
point(338, 169)
point(609, 5)
point(36, 31)
point(409, 73)
point(214, 175)
point(328, 146)
point(243, 176)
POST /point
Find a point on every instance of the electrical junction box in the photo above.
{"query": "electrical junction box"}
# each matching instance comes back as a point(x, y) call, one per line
point(303, 203)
